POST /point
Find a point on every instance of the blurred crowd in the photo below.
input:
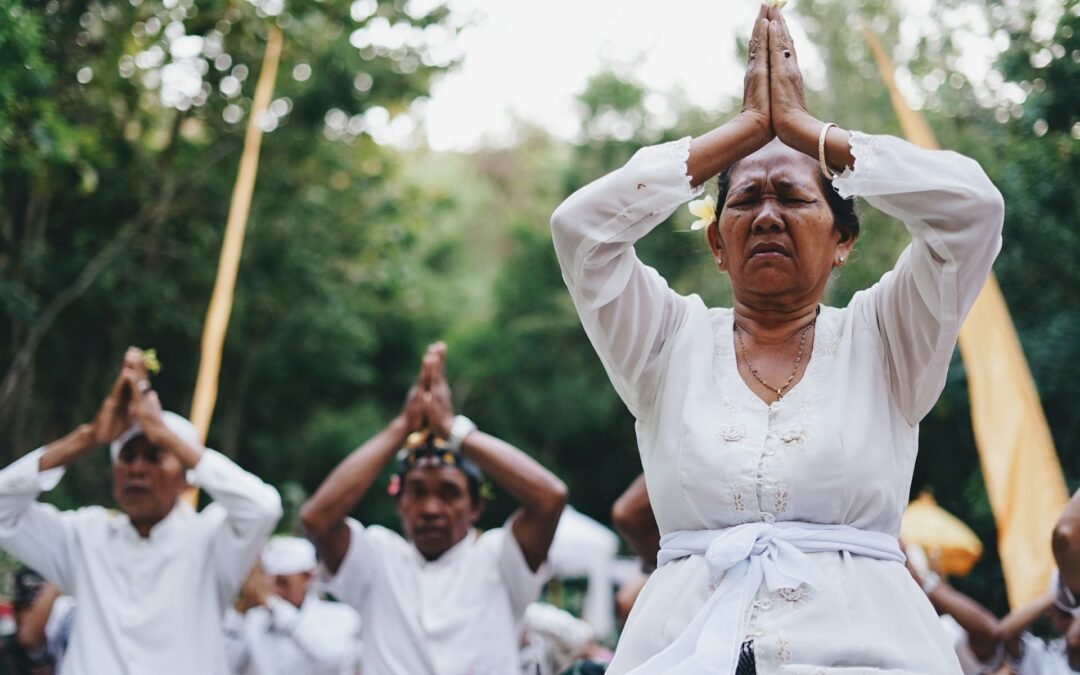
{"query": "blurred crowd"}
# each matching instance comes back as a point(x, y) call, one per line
point(155, 587)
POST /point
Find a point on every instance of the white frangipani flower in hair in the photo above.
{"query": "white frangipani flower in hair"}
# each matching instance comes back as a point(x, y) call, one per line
point(705, 210)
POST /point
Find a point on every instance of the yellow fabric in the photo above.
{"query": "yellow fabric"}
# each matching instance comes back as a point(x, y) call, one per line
point(217, 315)
point(950, 544)
point(1020, 466)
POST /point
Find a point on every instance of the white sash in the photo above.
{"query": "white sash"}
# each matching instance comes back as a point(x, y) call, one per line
point(745, 556)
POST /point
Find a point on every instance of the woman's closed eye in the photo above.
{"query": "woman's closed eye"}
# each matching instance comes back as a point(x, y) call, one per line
point(743, 201)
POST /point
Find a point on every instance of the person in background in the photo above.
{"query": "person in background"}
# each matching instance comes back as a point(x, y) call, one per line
point(1066, 590)
point(43, 619)
point(283, 627)
point(976, 633)
point(443, 599)
point(633, 518)
point(986, 644)
point(1032, 655)
point(554, 640)
point(152, 581)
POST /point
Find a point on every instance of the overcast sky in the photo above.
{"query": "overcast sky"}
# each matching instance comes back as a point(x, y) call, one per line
point(529, 60)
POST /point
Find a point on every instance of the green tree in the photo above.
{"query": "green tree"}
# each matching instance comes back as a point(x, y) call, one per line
point(120, 129)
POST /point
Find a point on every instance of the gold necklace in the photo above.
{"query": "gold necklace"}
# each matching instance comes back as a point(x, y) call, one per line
point(779, 391)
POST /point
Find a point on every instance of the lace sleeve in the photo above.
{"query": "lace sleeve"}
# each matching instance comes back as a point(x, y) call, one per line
point(625, 306)
point(954, 215)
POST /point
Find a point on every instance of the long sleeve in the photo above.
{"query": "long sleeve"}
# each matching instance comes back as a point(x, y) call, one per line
point(327, 638)
point(252, 509)
point(352, 582)
point(237, 650)
point(955, 215)
point(626, 307)
point(37, 534)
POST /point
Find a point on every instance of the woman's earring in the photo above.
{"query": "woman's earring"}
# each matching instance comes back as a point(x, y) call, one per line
point(840, 262)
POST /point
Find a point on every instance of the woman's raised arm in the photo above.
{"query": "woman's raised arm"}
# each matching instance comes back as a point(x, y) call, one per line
point(752, 128)
point(625, 307)
point(791, 121)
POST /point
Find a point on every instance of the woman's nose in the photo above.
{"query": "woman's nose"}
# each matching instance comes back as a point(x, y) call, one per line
point(768, 218)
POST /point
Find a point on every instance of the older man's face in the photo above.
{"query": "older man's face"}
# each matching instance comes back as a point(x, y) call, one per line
point(436, 508)
point(147, 481)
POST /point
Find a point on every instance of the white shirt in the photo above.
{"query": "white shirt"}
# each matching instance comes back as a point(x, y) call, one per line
point(457, 615)
point(1043, 658)
point(969, 662)
point(841, 445)
point(319, 638)
point(57, 633)
point(58, 628)
point(742, 560)
point(152, 605)
point(554, 639)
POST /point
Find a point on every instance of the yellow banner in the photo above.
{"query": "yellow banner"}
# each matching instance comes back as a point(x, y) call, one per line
point(1020, 466)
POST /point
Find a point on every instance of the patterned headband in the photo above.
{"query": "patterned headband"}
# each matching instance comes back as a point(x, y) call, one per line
point(422, 447)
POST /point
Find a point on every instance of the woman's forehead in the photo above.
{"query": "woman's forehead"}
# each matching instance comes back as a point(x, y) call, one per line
point(775, 162)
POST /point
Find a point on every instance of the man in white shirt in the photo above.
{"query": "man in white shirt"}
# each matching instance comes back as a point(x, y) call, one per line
point(1061, 655)
point(287, 629)
point(43, 619)
point(1066, 542)
point(152, 582)
point(1030, 655)
point(977, 635)
point(1043, 658)
point(443, 600)
point(555, 639)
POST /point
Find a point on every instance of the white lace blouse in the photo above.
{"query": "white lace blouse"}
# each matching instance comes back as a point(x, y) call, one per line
point(838, 449)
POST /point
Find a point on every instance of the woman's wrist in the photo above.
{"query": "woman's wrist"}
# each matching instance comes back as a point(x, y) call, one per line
point(755, 128)
point(741, 136)
point(799, 131)
point(803, 133)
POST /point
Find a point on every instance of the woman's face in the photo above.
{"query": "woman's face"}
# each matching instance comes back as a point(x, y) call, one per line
point(776, 235)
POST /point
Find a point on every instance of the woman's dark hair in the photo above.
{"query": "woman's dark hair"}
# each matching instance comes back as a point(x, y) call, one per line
point(843, 210)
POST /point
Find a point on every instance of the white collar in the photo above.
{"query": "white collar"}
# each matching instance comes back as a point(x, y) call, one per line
point(450, 555)
point(161, 530)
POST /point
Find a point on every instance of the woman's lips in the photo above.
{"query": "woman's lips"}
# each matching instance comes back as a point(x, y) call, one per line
point(770, 249)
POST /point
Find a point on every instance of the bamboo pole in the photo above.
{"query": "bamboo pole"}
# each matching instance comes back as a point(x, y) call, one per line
point(221, 301)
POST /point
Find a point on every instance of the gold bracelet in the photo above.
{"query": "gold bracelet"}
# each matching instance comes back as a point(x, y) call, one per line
point(821, 151)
